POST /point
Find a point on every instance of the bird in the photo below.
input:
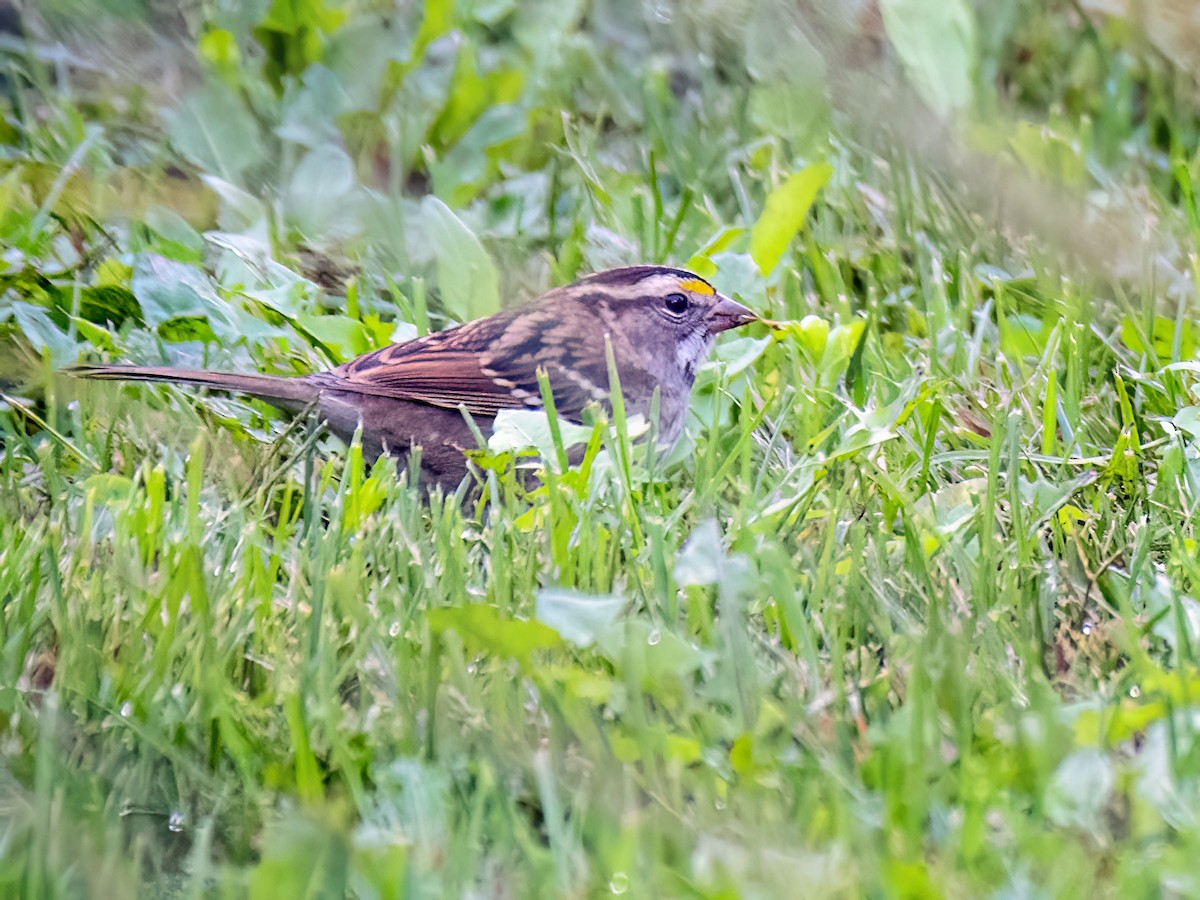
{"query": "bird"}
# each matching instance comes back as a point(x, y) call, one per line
point(661, 323)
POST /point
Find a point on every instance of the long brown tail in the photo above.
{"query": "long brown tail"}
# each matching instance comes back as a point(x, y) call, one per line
point(291, 392)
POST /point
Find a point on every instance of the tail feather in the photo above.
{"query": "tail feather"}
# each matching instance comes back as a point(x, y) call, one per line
point(290, 392)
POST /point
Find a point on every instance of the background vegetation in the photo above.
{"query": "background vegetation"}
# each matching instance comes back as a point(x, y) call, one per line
point(911, 610)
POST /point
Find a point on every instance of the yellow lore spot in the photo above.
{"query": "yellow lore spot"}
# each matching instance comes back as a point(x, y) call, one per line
point(696, 286)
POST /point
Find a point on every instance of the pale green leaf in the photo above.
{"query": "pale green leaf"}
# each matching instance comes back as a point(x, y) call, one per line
point(323, 197)
point(579, 618)
point(786, 209)
point(1080, 790)
point(659, 655)
point(935, 40)
point(699, 561)
point(214, 129)
point(467, 277)
point(167, 289)
point(480, 626)
point(524, 429)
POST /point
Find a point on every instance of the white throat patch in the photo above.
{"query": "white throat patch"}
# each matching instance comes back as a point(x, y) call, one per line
point(693, 350)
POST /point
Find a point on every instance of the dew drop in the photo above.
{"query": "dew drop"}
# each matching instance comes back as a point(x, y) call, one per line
point(619, 883)
point(175, 822)
point(654, 637)
point(1087, 628)
point(126, 709)
point(394, 630)
point(1135, 692)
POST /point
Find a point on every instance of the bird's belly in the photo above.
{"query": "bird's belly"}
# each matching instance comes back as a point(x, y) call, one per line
point(672, 413)
point(396, 426)
point(670, 425)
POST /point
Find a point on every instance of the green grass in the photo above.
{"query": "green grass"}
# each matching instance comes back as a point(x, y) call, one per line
point(909, 612)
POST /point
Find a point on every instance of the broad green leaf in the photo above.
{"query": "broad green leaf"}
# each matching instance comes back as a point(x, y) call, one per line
point(464, 169)
point(784, 215)
point(797, 113)
point(292, 34)
point(1049, 154)
point(104, 488)
point(1166, 334)
point(935, 40)
point(1093, 727)
point(699, 562)
point(1188, 419)
point(1042, 498)
point(310, 110)
point(239, 212)
point(481, 627)
point(544, 26)
point(344, 336)
point(104, 303)
point(186, 329)
point(737, 275)
point(840, 345)
point(1080, 789)
point(248, 251)
point(98, 337)
point(951, 508)
point(297, 16)
point(176, 231)
point(439, 19)
point(741, 754)
point(1166, 779)
point(469, 285)
point(214, 129)
point(359, 57)
point(736, 355)
point(879, 424)
point(42, 333)
point(778, 50)
point(323, 197)
point(166, 289)
point(659, 655)
point(701, 262)
point(579, 618)
point(1024, 335)
point(524, 429)
point(296, 859)
point(218, 47)
point(811, 332)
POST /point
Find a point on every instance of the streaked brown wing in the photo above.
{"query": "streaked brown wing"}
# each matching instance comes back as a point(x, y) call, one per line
point(443, 369)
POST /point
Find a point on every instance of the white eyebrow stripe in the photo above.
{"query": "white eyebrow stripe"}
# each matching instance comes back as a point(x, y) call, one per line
point(659, 284)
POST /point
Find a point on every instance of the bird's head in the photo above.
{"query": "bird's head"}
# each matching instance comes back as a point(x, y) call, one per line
point(665, 310)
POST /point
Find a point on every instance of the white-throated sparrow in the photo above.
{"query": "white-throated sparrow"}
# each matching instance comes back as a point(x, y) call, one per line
point(660, 321)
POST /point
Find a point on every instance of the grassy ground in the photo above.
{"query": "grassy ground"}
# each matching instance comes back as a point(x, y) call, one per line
point(911, 610)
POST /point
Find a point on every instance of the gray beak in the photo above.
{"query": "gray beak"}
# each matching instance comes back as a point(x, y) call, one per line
point(728, 314)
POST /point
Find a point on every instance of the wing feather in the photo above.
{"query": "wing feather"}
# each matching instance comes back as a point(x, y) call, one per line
point(487, 365)
point(443, 369)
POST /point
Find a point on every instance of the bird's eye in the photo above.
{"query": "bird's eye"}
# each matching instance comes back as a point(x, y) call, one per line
point(677, 304)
